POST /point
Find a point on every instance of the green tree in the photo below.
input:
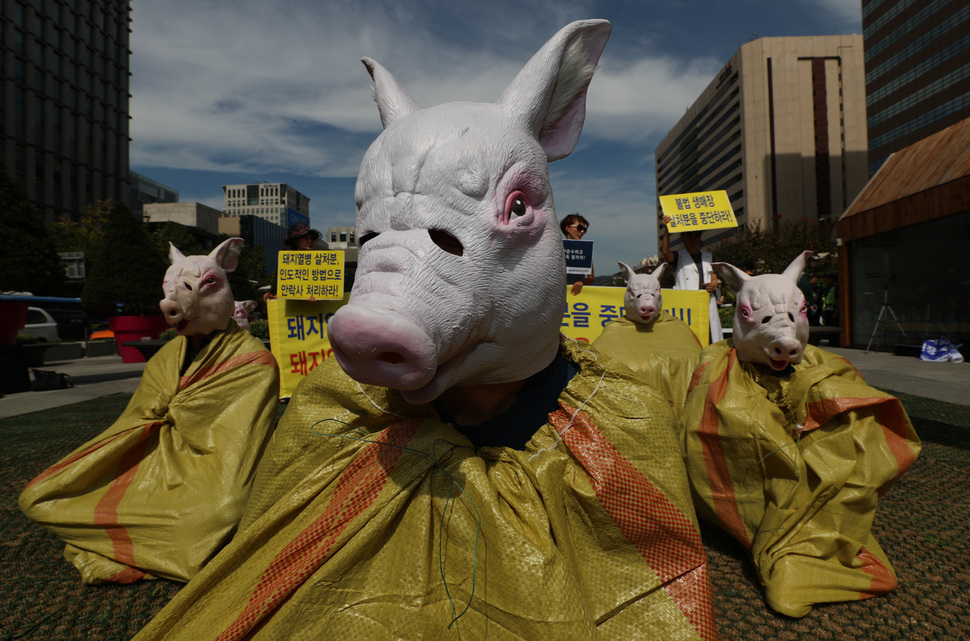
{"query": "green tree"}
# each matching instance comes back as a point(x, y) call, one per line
point(765, 252)
point(180, 236)
point(127, 269)
point(28, 257)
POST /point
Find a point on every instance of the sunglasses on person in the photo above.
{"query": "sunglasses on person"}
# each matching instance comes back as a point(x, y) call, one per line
point(581, 228)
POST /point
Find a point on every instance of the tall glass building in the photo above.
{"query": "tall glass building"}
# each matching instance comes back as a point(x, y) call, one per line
point(917, 57)
point(64, 101)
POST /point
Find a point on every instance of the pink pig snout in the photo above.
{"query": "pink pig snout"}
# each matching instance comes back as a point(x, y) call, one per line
point(172, 311)
point(380, 349)
point(647, 311)
point(785, 350)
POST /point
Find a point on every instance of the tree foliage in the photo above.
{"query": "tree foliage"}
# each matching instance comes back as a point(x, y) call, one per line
point(765, 252)
point(127, 269)
point(28, 256)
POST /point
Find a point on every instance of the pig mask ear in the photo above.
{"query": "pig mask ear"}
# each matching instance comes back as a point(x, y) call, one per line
point(627, 272)
point(794, 271)
point(226, 255)
point(660, 270)
point(548, 97)
point(174, 254)
point(393, 102)
point(734, 277)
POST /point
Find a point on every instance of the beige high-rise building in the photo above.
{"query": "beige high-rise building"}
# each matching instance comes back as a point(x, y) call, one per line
point(782, 129)
point(276, 202)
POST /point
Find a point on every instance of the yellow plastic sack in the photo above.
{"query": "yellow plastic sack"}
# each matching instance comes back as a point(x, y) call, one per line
point(372, 519)
point(663, 353)
point(162, 489)
point(793, 469)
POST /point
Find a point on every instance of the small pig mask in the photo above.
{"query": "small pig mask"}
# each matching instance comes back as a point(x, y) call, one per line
point(643, 300)
point(198, 300)
point(460, 271)
point(771, 315)
point(243, 309)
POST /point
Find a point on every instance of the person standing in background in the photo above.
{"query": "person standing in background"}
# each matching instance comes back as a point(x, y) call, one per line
point(693, 271)
point(574, 227)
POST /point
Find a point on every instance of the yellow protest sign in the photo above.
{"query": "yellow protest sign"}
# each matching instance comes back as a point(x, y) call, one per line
point(310, 274)
point(587, 312)
point(298, 329)
point(698, 211)
point(298, 337)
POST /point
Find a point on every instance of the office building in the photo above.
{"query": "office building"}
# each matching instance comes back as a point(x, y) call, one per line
point(143, 191)
point(917, 57)
point(256, 231)
point(918, 200)
point(276, 202)
point(64, 101)
point(781, 129)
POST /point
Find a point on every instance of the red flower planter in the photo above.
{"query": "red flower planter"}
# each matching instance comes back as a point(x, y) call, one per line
point(134, 328)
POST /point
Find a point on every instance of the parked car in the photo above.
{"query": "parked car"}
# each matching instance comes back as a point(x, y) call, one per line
point(72, 324)
point(42, 325)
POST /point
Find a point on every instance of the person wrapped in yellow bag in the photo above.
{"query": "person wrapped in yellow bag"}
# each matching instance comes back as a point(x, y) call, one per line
point(660, 349)
point(788, 450)
point(455, 471)
point(160, 491)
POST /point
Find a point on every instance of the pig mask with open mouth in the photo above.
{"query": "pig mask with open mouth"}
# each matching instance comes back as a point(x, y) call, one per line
point(460, 270)
point(771, 315)
point(198, 300)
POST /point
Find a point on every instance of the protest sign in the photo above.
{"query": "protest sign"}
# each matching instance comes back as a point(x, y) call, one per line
point(310, 274)
point(298, 337)
point(698, 211)
point(589, 311)
point(579, 257)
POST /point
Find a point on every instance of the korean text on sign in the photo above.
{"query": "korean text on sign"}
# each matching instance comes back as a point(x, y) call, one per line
point(311, 275)
point(702, 210)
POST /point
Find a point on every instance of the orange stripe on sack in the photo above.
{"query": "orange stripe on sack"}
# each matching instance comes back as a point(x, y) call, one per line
point(259, 357)
point(882, 579)
point(715, 463)
point(892, 419)
point(106, 511)
point(57, 467)
point(356, 490)
point(695, 378)
point(666, 538)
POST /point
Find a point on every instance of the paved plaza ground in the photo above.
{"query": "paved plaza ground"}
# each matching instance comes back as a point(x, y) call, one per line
point(922, 524)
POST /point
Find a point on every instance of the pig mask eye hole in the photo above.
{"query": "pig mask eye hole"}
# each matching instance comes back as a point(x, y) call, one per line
point(515, 207)
point(366, 237)
point(764, 321)
point(188, 287)
point(791, 317)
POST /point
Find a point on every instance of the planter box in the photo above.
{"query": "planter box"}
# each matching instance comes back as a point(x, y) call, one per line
point(134, 328)
point(101, 348)
point(13, 317)
point(64, 352)
point(13, 370)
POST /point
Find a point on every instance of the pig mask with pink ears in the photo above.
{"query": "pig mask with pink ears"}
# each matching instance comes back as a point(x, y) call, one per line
point(643, 300)
point(460, 270)
point(198, 300)
point(770, 316)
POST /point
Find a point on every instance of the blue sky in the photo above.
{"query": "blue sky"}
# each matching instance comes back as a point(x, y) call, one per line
point(230, 92)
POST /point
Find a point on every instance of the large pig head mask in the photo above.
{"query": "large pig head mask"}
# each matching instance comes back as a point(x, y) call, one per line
point(198, 300)
point(643, 300)
point(460, 276)
point(770, 316)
